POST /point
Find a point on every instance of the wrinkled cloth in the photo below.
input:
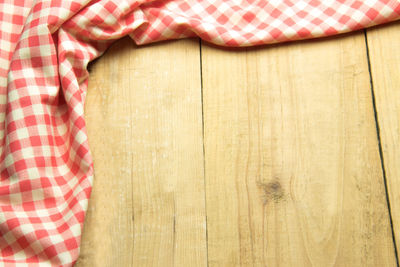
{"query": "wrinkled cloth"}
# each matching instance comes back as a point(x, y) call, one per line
point(45, 46)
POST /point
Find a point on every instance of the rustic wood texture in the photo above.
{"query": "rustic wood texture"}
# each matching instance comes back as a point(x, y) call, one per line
point(270, 156)
point(384, 47)
point(144, 121)
point(293, 174)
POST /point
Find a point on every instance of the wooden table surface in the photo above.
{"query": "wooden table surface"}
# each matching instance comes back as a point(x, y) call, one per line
point(282, 155)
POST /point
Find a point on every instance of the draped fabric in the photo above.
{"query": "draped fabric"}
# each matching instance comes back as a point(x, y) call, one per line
point(46, 169)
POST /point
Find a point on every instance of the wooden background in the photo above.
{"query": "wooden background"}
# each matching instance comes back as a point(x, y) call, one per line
point(281, 155)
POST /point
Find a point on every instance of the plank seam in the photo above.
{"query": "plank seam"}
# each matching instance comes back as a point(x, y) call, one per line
point(371, 80)
point(204, 154)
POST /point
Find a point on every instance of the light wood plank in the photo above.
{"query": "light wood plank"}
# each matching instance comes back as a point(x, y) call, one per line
point(293, 175)
point(384, 47)
point(145, 131)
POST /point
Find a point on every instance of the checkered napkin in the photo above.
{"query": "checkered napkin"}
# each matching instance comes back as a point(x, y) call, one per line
point(46, 169)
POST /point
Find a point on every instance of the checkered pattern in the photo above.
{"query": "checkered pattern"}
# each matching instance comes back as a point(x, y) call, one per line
point(45, 166)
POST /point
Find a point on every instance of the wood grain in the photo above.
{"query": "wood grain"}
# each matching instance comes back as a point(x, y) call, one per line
point(144, 122)
point(384, 46)
point(293, 174)
point(292, 166)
